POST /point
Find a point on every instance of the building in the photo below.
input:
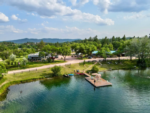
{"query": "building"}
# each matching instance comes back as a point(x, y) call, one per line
point(36, 56)
point(94, 53)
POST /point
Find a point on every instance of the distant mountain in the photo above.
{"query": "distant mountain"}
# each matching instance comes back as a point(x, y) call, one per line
point(48, 40)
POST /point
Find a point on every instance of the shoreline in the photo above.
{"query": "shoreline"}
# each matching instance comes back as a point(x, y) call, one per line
point(38, 75)
point(5, 86)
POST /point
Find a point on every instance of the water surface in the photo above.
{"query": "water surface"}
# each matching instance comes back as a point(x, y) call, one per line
point(129, 94)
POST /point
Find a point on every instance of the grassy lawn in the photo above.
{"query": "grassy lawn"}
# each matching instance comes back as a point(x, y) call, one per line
point(115, 65)
point(82, 58)
point(34, 64)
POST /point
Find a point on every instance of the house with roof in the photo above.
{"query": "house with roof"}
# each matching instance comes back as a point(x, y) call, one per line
point(36, 56)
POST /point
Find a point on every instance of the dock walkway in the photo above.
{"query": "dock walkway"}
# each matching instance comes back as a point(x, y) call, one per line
point(99, 83)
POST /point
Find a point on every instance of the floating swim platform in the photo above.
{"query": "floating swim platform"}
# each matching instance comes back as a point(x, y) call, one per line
point(99, 83)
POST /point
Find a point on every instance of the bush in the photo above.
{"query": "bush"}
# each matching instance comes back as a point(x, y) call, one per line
point(84, 62)
point(2, 69)
point(141, 63)
point(56, 70)
point(94, 69)
point(49, 59)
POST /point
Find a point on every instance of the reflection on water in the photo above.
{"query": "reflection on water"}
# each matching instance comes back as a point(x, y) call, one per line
point(55, 82)
point(129, 93)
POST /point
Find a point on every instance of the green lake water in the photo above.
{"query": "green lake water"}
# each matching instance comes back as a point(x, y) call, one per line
point(130, 93)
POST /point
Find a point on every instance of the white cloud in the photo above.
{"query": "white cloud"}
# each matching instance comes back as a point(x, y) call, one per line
point(80, 3)
point(74, 2)
point(10, 32)
point(3, 18)
point(122, 5)
point(52, 8)
point(136, 16)
point(103, 5)
point(14, 17)
point(67, 32)
point(10, 29)
point(93, 18)
point(33, 14)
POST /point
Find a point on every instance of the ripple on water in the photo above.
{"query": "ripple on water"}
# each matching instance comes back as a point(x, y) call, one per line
point(76, 95)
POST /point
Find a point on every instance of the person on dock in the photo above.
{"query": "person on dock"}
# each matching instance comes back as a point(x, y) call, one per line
point(94, 81)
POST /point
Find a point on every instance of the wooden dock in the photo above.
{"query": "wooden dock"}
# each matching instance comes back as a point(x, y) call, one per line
point(99, 83)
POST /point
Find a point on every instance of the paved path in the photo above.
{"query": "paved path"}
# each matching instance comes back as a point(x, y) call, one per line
point(69, 61)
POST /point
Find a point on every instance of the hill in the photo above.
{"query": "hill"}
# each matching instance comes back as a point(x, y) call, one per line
point(48, 40)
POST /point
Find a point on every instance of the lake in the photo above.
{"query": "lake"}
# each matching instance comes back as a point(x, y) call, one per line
point(129, 94)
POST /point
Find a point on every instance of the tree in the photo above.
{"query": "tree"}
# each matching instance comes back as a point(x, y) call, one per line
point(110, 46)
point(90, 39)
point(5, 54)
point(118, 53)
point(104, 51)
point(24, 61)
point(90, 49)
point(56, 70)
point(12, 57)
point(116, 44)
point(50, 50)
point(95, 39)
point(2, 69)
point(41, 44)
point(41, 54)
point(141, 50)
point(130, 50)
point(64, 51)
point(113, 38)
point(94, 69)
point(124, 38)
point(99, 46)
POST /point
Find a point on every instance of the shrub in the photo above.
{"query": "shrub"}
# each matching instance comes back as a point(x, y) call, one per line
point(84, 62)
point(2, 69)
point(49, 59)
point(56, 70)
point(94, 69)
point(141, 63)
point(12, 57)
point(24, 61)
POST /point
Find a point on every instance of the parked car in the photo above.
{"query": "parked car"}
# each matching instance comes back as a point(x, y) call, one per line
point(56, 56)
point(89, 57)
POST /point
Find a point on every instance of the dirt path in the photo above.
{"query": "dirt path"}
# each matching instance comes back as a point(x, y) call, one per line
point(70, 60)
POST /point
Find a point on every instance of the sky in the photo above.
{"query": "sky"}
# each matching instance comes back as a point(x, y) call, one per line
point(73, 19)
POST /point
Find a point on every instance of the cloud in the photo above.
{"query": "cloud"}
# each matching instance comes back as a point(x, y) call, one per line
point(86, 17)
point(122, 5)
point(52, 8)
point(67, 32)
point(103, 5)
point(14, 17)
point(136, 16)
point(33, 14)
point(80, 3)
point(74, 2)
point(3, 18)
point(10, 29)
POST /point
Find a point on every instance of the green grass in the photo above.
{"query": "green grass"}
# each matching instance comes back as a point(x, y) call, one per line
point(82, 58)
point(34, 64)
point(124, 64)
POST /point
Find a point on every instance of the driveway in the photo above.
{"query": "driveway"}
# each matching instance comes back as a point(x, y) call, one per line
point(69, 59)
